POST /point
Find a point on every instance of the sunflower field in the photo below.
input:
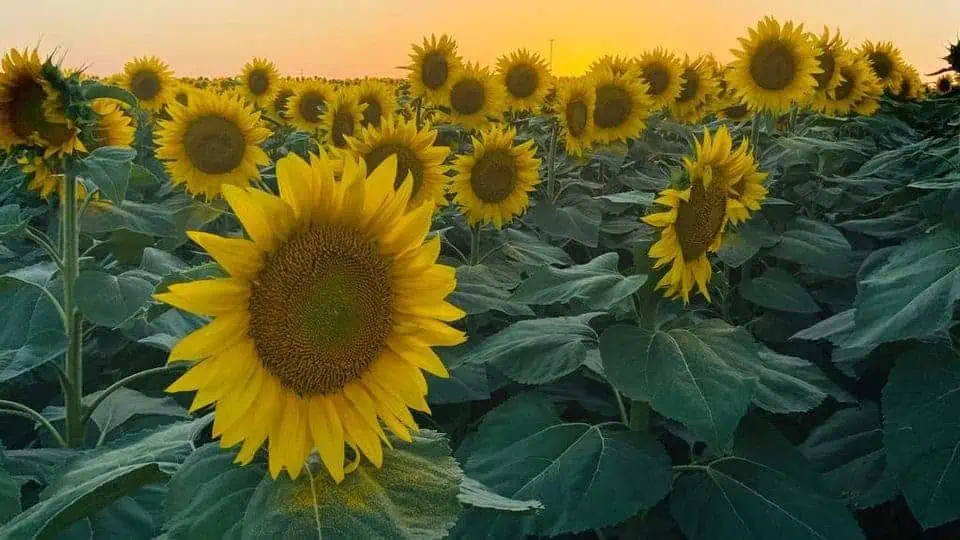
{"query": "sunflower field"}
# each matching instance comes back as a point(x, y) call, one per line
point(670, 298)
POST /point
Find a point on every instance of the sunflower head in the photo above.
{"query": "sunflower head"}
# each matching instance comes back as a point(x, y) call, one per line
point(306, 106)
point(945, 84)
point(433, 65)
point(911, 87)
point(524, 77)
point(212, 142)
point(621, 105)
point(953, 56)
point(278, 105)
point(857, 91)
point(342, 117)
point(474, 97)
point(259, 81)
point(829, 51)
point(697, 87)
point(574, 109)
point(182, 93)
point(111, 127)
point(619, 65)
point(886, 62)
point(380, 101)
point(662, 72)
point(150, 80)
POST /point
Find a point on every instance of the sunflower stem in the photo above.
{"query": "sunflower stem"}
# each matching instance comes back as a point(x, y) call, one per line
point(755, 130)
point(551, 179)
point(74, 362)
point(475, 245)
point(624, 417)
point(419, 109)
point(639, 415)
point(26, 412)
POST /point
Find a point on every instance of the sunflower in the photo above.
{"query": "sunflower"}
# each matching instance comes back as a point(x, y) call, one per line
point(832, 51)
point(380, 100)
point(150, 80)
point(775, 68)
point(182, 94)
point(278, 105)
point(621, 105)
point(698, 86)
point(575, 99)
point(945, 84)
point(112, 127)
point(260, 81)
point(328, 317)
point(525, 78)
point(212, 142)
point(911, 87)
point(342, 117)
point(662, 72)
point(474, 97)
point(724, 186)
point(857, 84)
point(416, 154)
point(886, 61)
point(492, 183)
point(433, 66)
point(620, 65)
point(305, 107)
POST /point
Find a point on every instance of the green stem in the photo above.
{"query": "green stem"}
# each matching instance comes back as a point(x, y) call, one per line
point(41, 240)
point(419, 109)
point(623, 410)
point(474, 245)
point(551, 178)
point(74, 362)
point(755, 131)
point(127, 380)
point(639, 415)
point(30, 413)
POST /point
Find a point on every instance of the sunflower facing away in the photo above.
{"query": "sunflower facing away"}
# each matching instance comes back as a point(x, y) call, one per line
point(621, 105)
point(112, 127)
point(150, 80)
point(215, 141)
point(432, 68)
point(492, 184)
point(525, 78)
point(380, 100)
point(329, 315)
point(698, 85)
point(698, 214)
point(858, 84)
point(415, 152)
point(574, 106)
point(342, 117)
point(305, 107)
point(662, 72)
point(775, 68)
point(474, 97)
point(886, 61)
point(259, 81)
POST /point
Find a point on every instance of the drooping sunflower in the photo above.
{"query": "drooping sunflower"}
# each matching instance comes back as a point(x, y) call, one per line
point(259, 81)
point(620, 65)
point(341, 119)
point(416, 154)
point(857, 84)
point(621, 105)
point(433, 66)
point(150, 80)
point(278, 105)
point(886, 61)
point(328, 317)
point(380, 100)
point(662, 72)
point(212, 142)
point(832, 51)
point(775, 68)
point(474, 97)
point(574, 106)
point(305, 107)
point(698, 214)
point(112, 127)
point(492, 184)
point(699, 85)
point(525, 78)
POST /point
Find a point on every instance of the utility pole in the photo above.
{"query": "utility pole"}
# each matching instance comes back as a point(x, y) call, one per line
point(551, 53)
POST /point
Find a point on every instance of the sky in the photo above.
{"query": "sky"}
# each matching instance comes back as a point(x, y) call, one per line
point(354, 38)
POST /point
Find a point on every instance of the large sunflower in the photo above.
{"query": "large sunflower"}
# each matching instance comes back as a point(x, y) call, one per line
point(492, 184)
point(525, 78)
point(342, 117)
point(150, 80)
point(886, 61)
point(215, 141)
point(621, 105)
point(328, 317)
point(724, 185)
point(775, 68)
point(259, 82)
point(433, 66)
point(380, 100)
point(574, 106)
point(662, 72)
point(112, 127)
point(305, 107)
point(857, 83)
point(474, 97)
point(699, 85)
point(416, 155)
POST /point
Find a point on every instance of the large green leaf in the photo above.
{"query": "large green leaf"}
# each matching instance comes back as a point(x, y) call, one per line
point(467, 381)
point(523, 450)
point(580, 222)
point(921, 405)
point(598, 284)
point(538, 351)
point(764, 489)
point(695, 375)
point(525, 249)
point(788, 384)
point(9, 492)
point(152, 219)
point(480, 290)
point(37, 336)
point(108, 168)
point(11, 219)
point(122, 406)
point(778, 289)
point(476, 494)
point(110, 300)
point(816, 244)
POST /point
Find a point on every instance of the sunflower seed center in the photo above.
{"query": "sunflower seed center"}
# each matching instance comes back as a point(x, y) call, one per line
point(828, 64)
point(311, 107)
point(407, 162)
point(435, 70)
point(613, 106)
point(699, 220)
point(26, 107)
point(258, 82)
point(145, 85)
point(467, 96)
point(690, 86)
point(373, 111)
point(773, 66)
point(522, 81)
point(576, 114)
point(214, 144)
point(845, 88)
point(343, 124)
point(280, 102)
point(657, 78)
point(494, 176)
point(882, 64)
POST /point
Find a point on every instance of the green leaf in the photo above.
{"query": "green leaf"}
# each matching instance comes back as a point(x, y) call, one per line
point(152, 219)
point(124, 404)
point(778, 289)
point(765, 489)
point(580, 222)
point(598, 284)
point(910, 293)
point(835, 329)
point(523, 450)
point(110, 300)
point(641, 198)
point(739, 246)
point(9, 492)
point(695, 375)
point(38, 336)
point(525, 249)
point(815, 244)
point(788, 384)
point(479, 291)
point(11, 220)
point(467, 381)
point(538, 351)
point(414, 495)
point(921, 404)
point(848, 451)
point(476, 494)
point(108, 168)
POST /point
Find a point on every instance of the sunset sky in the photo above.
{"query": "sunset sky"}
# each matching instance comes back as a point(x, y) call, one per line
point(350, 38)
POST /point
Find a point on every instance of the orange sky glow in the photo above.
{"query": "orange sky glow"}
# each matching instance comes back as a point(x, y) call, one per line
point(354, 38)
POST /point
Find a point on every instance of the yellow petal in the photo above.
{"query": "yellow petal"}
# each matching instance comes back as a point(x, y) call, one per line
point(327, 435)
point(238, 256)
point(359, 431)
point(295, 180)
point(207, 340)
point(254, 218)
point(207, 296)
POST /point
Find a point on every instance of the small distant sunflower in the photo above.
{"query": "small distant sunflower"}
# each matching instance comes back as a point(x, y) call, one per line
point(525, 78)
point(911, 87)
point(305, 107)
point(857, 83)
point(661, 70)
point(775, 68)
point(886, 61)
point(619, 65)
point(832, 51)
point(574, 106)
point(150, 80)
point(945, 84)
point(474, 97)
point(698, 85)
point(260, 81)
point(278, 105)
point(342, 117)
point(182, 94)
point(380, 100)
point(212, 142)
point(433, 66)
point(331, 311)
point(417, 155)
point(112, 127)
point(621, 105)
point(492, 184)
